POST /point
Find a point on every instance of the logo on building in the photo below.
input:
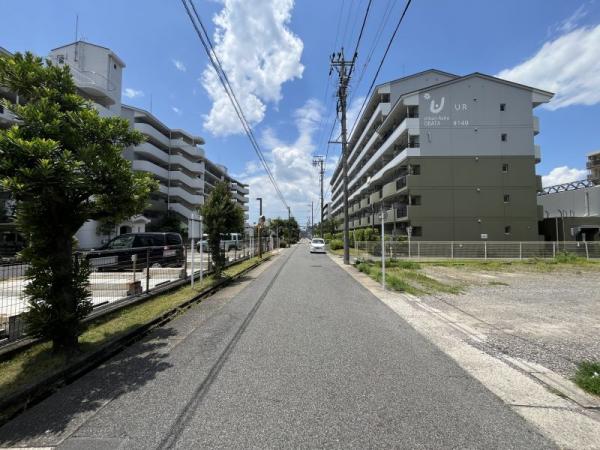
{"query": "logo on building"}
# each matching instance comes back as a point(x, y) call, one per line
point(434, 107)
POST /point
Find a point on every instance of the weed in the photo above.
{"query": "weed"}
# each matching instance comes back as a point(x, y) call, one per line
point(588, 377)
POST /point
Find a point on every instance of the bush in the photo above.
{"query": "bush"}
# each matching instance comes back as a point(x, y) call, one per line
point(336, 244)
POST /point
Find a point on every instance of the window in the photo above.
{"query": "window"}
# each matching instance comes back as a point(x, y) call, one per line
point(60, 59)
point(123, 241)
point(385, 98)
point(502, 106)
point(415, 169)
point(505, 168)
point(506, 198)
point(503, 137)
point(417, 231)
point(173, 239)
point(507, 229)
point(415, 200)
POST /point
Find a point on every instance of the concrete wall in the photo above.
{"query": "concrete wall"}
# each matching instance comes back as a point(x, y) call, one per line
point(464, 118)
point(403, 86)
point(580, 202)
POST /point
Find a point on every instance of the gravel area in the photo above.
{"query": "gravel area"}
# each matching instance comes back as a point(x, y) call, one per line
point(551, 318)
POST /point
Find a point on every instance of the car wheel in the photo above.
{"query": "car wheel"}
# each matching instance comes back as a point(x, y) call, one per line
point(156, 266)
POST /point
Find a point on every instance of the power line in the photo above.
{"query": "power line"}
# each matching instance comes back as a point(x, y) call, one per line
point(217, 66)
point(408, 2)
point(362, 29)
point(386, 16)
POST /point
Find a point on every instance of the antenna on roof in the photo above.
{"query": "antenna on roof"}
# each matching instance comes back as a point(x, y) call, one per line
point(76, 27)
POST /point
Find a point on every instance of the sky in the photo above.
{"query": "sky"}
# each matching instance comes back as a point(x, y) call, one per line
point(276, 55)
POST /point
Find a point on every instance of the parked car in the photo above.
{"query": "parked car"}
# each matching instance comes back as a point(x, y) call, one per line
point(229, 241)
point(317, 245)
point(162, 249)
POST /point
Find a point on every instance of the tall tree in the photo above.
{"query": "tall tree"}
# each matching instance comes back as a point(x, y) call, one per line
point(220, 215)
point(62, 164)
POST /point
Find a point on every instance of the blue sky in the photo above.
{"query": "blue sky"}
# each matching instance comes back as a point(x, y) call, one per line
point(276, 52)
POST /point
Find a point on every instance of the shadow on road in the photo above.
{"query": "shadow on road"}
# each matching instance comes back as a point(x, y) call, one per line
point(45, 423)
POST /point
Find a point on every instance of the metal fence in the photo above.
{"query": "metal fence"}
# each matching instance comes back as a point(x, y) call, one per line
point(475, 250)
point(118, 275)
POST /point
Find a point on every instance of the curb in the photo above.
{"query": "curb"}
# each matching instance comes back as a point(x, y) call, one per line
point(38, 391)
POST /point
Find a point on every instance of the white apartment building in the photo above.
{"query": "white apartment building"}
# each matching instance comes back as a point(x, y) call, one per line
point(173, 156)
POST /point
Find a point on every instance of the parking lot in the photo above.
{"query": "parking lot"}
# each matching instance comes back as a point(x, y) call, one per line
point(550, 317)
point(106, 286)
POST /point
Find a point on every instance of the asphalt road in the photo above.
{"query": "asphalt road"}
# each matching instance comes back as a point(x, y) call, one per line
point(300, 357)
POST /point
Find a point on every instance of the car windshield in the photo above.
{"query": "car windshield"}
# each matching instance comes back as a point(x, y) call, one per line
point(124, 241)
point(318, 241)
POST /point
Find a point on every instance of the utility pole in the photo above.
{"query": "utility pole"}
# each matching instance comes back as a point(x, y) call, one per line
point(289, 232)
point(343, 68)
point(259, 228)
point(319, 161)
point(311, 220)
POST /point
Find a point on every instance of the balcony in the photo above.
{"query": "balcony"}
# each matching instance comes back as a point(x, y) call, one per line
point(164, 174)
point(536, 125)
point(409, 125)
point(537, 153)
point(364, 203)
point(181, 209)
point(91, 83)
point(178, 160)
point(151, 132)
point(177, 192)
point(375, 197)
point(364, 221)
point(190, 149)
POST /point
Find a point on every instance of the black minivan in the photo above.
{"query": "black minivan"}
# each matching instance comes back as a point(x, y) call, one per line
point(153, 249)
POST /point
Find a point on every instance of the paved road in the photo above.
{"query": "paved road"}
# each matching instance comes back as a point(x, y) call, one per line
point(302, 356)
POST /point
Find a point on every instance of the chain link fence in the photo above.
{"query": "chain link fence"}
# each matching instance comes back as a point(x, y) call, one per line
point(120, 275)
point(474, 250)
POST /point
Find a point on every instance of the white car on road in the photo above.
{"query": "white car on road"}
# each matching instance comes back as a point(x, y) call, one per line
point(317, 245)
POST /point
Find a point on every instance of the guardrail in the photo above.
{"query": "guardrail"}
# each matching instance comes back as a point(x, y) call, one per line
point(117, 276)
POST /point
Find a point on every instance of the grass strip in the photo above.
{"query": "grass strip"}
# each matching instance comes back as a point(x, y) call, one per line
point(588, 377)
point(406, 276)
point(34, 364)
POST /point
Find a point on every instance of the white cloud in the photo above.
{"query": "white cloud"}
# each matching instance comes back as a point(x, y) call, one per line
point(563, 174)
point(176, 110)
point(291, 165)
point(568, 65)
point(258, 53)
point(571, 22)
point(179, 65)
point(132, 93)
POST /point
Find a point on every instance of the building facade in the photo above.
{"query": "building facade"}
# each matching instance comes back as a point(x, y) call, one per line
point(445, 157)
point(593, 167)
point(174, 157)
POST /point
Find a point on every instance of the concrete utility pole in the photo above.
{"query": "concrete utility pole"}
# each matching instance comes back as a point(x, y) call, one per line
point(259, 228)
point(344, 68)
point(319, 161)
point(289, 232)
point(311, 219)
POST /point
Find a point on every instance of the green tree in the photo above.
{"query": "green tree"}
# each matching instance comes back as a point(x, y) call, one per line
point(62, 164)
point(220, 215)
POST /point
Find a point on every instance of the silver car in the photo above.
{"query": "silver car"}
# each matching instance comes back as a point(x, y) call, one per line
point(317, 245)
